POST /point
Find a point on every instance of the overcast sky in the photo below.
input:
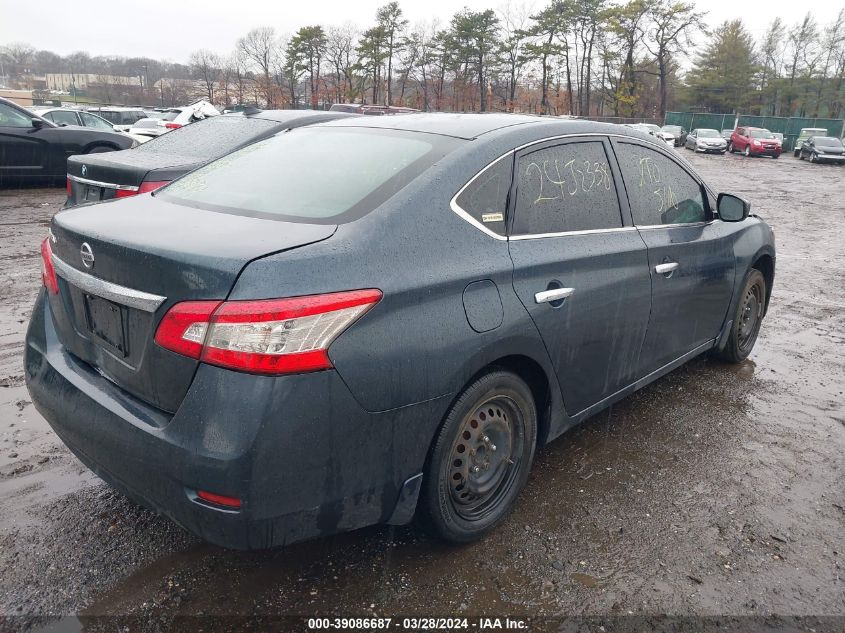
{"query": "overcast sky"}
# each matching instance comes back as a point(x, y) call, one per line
point(171, 29)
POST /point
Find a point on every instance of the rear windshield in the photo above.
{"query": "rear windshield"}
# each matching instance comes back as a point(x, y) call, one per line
point(211, 137)
point(171, 115)
point(827, 141)
point(315, 175)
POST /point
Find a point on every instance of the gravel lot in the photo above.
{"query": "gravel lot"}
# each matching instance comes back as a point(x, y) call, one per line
point(718, 490)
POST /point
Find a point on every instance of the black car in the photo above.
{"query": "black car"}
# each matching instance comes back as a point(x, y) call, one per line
point(164, 158)
point(367, 319)
point(678, 132)
point(822, 149)
point(34, 150)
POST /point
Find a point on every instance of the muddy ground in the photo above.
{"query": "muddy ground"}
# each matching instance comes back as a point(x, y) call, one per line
point(718, 490)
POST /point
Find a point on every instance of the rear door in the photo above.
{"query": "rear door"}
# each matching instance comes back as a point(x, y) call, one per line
point(579, 269)
point(690, 253)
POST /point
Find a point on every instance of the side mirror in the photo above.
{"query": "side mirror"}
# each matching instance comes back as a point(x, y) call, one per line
point(37, 123)
point(732, 208)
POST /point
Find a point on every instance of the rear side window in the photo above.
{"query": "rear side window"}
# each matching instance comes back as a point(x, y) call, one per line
point(485, 197)
point(114, 117)
point(660, 191)
point(314, 175)
point(211, 137)
point(64, 116)
point(567, 187)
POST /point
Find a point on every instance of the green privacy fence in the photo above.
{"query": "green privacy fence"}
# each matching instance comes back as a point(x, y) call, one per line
point(790, 127)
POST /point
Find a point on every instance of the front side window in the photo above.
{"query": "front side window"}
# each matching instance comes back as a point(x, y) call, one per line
point(567, 187)
point(485, 198)
point(289, 177)
point(660, 191)
point(10, 117)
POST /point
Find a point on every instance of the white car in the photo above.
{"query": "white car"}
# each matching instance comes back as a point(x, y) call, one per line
point(122, 118)
point(174, 118)
point(654, 130)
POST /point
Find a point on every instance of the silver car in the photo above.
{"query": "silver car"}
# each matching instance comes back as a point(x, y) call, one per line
point(706, 140)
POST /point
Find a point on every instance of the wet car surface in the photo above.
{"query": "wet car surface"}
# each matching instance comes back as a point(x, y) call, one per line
point(719, 489)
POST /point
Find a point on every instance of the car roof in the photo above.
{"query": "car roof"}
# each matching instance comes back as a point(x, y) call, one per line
point(286, 116)
point(466, 126)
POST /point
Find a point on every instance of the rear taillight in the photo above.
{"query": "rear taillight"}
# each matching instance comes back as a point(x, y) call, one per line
point(48, 272)
point(172, 126)
point(145, 187)
point(270, 336)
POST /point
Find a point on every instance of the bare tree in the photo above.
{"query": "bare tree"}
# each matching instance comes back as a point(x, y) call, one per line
point(261, 47)
point(206, 65)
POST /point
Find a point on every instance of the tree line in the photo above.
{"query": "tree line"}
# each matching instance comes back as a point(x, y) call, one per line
point(578, 57)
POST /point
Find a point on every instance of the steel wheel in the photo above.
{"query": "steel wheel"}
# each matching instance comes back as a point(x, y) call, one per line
point(750, 316)
point(480, 458)
point(485, 458)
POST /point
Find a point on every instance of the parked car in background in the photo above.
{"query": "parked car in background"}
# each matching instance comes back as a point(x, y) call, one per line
point(174, 118)
point(654, 130)
point(677, 132)
point(706, 140)
point(93, 179)
point(121, 118)
point(229, 349)
point(803, 135)
point(726, 134)
point(779, 137)
point(72, 116)
point(754, 141)
point(823, 149)
point(34, 150)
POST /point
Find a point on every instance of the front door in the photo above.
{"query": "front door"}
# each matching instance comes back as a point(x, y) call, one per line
point(580, 271)
point(690, 253)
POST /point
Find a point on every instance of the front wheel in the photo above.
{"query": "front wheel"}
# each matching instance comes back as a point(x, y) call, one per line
point(814, 158)
point(747, 320)
point(731, 147)
point(480, 459)
point(747, 151)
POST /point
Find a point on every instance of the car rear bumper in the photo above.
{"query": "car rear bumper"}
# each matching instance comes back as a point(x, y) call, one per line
point(300, 453)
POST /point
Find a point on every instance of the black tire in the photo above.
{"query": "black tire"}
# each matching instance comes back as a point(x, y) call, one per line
point(747, 319)
point(480, 459)
point(99, 149)
point(731, 147)
point(747, 152)
point(796, 153)
point(776, 156)
point(813, 158)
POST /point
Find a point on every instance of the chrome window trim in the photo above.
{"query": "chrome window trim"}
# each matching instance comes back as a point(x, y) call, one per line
point(461, 213)
point(129, 297)
point(538, 236)
point(97, 183)
point(648, 227)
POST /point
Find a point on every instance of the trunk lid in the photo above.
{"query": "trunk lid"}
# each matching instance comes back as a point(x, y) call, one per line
point(147, 255)
point(97, 177)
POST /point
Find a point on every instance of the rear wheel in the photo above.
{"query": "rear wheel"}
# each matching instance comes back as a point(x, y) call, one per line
point(747, 320)
point(480, 459)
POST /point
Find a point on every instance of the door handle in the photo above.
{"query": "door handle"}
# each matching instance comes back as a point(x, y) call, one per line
point(666, 268)
point(555, 294)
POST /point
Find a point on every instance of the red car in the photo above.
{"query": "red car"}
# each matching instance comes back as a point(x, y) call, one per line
point(754, 141)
